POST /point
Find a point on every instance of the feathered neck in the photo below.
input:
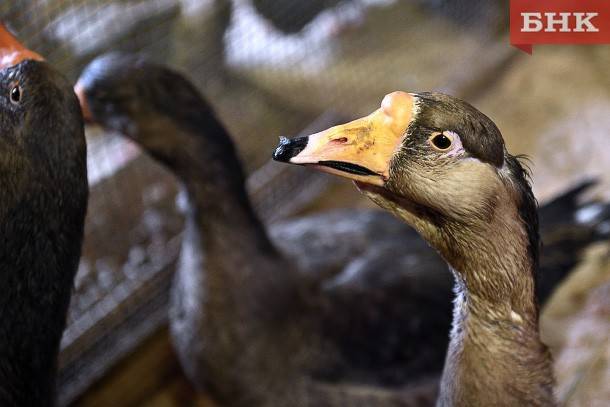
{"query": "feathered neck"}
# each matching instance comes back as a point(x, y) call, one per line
point(202, 155)
point(495, 353)
point(242, 268)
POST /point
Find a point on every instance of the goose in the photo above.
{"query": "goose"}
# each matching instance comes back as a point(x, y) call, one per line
point(334, 309)
point(43, 178)
point(441, 166)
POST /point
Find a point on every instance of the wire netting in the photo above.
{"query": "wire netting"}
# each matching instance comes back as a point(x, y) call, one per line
point(269, 67)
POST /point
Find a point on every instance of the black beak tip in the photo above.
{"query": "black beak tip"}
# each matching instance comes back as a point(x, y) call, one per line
point(287, 149)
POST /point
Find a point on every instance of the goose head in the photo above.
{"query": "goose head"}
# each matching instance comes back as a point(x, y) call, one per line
point(160, 110)
point(438, 163)
point(120, 91)
point(42, 145)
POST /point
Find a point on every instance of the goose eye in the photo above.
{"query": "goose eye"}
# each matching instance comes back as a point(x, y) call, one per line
point(15, 94)
point(441, 141)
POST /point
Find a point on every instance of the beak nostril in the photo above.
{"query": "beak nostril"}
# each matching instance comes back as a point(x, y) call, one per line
point(340, 140)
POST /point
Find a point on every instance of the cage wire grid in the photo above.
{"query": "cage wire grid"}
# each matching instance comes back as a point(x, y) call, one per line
point(269, 67)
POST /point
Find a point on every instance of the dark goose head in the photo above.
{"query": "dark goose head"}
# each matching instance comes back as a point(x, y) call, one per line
point(42, 146)
point(159, 109)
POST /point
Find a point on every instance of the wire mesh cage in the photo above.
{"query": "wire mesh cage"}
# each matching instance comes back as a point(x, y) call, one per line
point(269, 67)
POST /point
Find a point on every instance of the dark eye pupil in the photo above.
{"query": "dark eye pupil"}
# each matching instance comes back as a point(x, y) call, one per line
point(16, 94)
point(441, 142)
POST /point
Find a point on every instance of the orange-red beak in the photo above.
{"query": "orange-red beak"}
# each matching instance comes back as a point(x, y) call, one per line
point(84, 105)
point(360, 150)
point(12, 51)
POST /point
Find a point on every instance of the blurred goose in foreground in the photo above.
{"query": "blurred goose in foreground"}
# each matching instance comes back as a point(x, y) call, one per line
point(441, 166)
point(338, 309)
point(43, 199)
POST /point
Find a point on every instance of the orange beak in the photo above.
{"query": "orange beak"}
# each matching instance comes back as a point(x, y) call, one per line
point(84, 105)
point(12, 51)
point(360, 150)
